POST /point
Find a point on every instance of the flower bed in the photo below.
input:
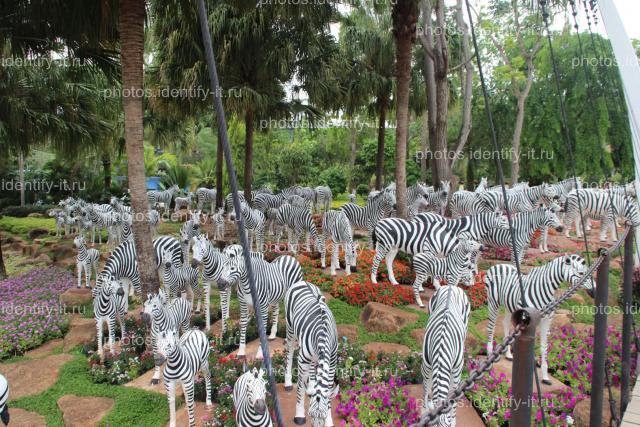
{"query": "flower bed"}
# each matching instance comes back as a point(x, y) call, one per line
point(358, 290)
point(477, 293)
point(401, 268)
point(30, 311)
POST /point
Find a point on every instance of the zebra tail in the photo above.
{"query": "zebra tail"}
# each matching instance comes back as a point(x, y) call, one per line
point(374, 240)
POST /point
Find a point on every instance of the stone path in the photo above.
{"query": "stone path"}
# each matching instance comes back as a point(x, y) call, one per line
point(33, 376)
point(22, 418)
point(85, 411)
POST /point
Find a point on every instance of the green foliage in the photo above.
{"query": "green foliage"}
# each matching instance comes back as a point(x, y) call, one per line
point(22, 226)
point(336, 178)
point(177, 174)
point(23, 211)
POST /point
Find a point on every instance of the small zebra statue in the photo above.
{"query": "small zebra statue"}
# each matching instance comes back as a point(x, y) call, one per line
point(185, 356)
point(4, 398)
point(249, 399)
point(218, 225)
point(352, 196)
point(86, 260)
point(181, 202)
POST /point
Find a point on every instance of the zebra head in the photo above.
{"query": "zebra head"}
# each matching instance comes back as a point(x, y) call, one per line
point(4, 397)
point(167, 343)
point(201, 245)
point(256, 390)
point(574, 269)
point(78, 242)
point(470, 246)
point(153, 305)
point(552, 220)
point(166, 258)
point(320, 400)
point(233, 266)
point(108, 286)
point(630, 211)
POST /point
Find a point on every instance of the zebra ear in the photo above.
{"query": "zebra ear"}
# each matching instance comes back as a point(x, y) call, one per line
point(334, 391)
point(567, 259)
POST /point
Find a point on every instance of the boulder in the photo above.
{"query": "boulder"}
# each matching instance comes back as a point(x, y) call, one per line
point(61, 252)
point(386, 347)
point(378, 317)
point(348, 331)
point(33, 376)
point(22, 418)
point(38, 232)
point(84, 411)
point(81, 331)
point(76, 296)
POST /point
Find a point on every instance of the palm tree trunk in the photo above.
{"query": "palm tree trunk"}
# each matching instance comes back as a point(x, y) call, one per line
point(3, 269)
point(132, 16)
point(21, 177)
point(219, 166)
point(106, 166)
point(380, 152)
point(248, 153)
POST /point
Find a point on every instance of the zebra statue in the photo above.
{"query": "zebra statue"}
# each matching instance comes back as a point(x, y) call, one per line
point(86, 260)
point(180, 279)
point(249, 399)
point(228, 205)
point(309, 196)
point(482, 185)
point(213, 264)
point(562, 189)
point(4, 398)
point(353, 196)
point(539, 285)
point(443, 349)
point(271, 281)
point(104, 220)
point(600, 204)
point(218, 224)
point(524, 225)
point(109, 302)
point(336, 227)
point(428, 232)
point(184, 356)
point(264, 202)
point(153, 217)
point(323, 198)
point(189, 230)
point(454, 267)
point(164, 316)
point(297, 221)
point(464, 203)
point(181, 202)
point(254, 223)
point(60, 221)
point(156, 197)
point(206, 195)
point(378, 207)
point(520, 199)
point(312, 325)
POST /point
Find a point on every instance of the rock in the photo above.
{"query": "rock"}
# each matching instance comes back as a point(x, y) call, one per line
point(22, 418)
point(81, 331)
point(63, 252)
point(348, 331)
point(31, 377)
point(583, 408)
point(418, 335)
point(38, 232)
point(43, 258)
point(84, 411)
point(45, 349)
point(74, 297)
point(35, 215)
point(386, 347)
point(383, 318)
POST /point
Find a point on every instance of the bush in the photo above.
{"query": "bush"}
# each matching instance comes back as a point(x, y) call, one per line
point(362, 190)
point(23, 211)
point(334, 177)
point(24, 225)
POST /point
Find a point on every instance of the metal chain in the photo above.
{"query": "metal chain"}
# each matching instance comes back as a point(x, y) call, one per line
point(614, 419)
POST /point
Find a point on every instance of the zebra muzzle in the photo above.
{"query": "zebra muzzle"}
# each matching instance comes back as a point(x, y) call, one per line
point(158, 359)
point(120, 292)
point(145, 317)
point(4, 416)
point(195, 263)
point(260, 407)
point(222, 284)
point(591, 292)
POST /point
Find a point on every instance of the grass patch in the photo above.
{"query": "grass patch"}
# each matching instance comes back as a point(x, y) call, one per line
point(132, 406)
point(22, 226)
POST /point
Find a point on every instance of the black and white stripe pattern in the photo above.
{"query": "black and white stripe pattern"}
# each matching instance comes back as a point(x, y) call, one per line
point(427, 232)
point(443, 349)
point(323, 198)
point(155, 197)
point(228, 204)
point(298, 220)
point(539, 286)
point(4, 398)
point(465, 203)
point(185, 357)
point(254, 223)
point(336, 227)
point(189, 230)
point(271, 281)
point(213, 264)
point(164, 316)
point(87, 260)
point(109, 302)
point(312, 325)
point(208, 196)
point(180, 279)
point(378, 207)
point(483, 185)
point(104, 219)
point(453, 268)
point(263, 202)
point(520, 199)
point(181, 202)
point(249, 399)
point(218, 224)
point(352, 196)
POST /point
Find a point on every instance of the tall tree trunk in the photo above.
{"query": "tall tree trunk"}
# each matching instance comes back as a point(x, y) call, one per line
point(3, 269)
point(428, 73)
point(106, 167)
point(132, 16)
point(21, 177)
point(439, 146)
point(219, 166)
point(382, 114)
point(515, 143)
point(354, 154)
point(405, 16)
point(424, 146)
point(248, 153)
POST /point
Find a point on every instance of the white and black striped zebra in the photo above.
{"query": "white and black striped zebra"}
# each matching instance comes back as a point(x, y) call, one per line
point(185, 356)
point(263, 202)
point(229, 207)
point(483, 185)
point(163, 315)
point(454, 267)
point(180, 279)
point(562, 189)
point(213, 264)
point(189, 230)
point(109, 302)
point(121, 264)
point(323, 198)
point(254, 223)
point(181, 202)
point(336, 227)
point(377, 208)
point(464, 203)
point(539, 286)
point(4, 398)
point(428, 232)
point(524, 225)
point(206, 196)
point(119, 206)
point(443, 349)
point(353, 196)
point(60, 222)
point(87, 260)
point(599, 204)
point(103, 219)
point(300, 202)
point(520, 199)
point(298, 220)
point(250, 401)
point(308, 194)
point(155, 197)
point(218, 224)
point(312, 325)
point(153, 217)
point(272, 279)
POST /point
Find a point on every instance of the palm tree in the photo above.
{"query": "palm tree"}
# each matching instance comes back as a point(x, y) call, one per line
point(131, 27)
point(405, 16)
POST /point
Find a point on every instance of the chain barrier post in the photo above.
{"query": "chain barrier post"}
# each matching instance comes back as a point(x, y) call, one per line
point(523, 366)
point(627, 319)
point(599, 340)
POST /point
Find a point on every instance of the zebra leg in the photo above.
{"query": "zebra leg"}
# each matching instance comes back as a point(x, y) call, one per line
point(170, 387)
point(506, 324)
point(244, 321)
point(545, 324)
point(264, 314)
point(187, 389)
point(207, 306)
point(87, 273)
point(289, 348)
point(156, 369)
point(112, 335)
point(543, 236)
point(427, 384)
point(226, 298)
point(207, 380)
point(99, 336)
point(416, 288)
point(389, 260)
point(303, 376)
point(95, 269)
point(79, 268)
point(380, 253)
point(493, 315)
point(323, 256)
point(335, 263)
point(275, 312)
